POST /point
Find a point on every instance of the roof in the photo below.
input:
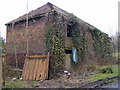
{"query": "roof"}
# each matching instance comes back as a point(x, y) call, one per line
point(43, 10)
point(39, 12)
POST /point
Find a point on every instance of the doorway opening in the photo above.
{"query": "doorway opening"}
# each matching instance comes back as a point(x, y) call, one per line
point(68, 55)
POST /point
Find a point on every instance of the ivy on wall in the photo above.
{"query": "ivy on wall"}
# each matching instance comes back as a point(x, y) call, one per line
point(55, 44)
point(55, 40)
point(79, 38)
point(80, 42)
point(102, 44)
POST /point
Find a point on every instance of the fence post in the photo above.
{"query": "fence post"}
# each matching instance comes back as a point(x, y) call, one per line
point(1, 72)
point(48, 65)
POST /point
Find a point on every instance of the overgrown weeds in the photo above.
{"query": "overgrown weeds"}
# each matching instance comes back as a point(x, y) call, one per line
point(105, 72)
point(9, 72)
point(106, 69)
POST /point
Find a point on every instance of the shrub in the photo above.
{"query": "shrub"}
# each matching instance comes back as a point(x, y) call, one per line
point(91, 67)
point(106, 69)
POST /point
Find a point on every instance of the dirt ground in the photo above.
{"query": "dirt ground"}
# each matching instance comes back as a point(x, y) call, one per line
point(73, 81)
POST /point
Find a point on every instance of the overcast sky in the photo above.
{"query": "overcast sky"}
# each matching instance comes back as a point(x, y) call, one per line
point(102, 14)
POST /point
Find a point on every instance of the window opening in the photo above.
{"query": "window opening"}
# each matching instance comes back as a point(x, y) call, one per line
point(69, 31)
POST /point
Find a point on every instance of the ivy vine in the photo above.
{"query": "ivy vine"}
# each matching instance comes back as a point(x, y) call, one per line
point(55, 41)
point(102, 43)
point(55, 44)
point(79, 38)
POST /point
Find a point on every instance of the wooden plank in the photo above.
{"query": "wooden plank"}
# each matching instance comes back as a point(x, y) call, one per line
point(45, 73)
point(31, 69)
point(35, 72)
point(38, 70)
point(37, 56)
point(42, 70)
point(33, 62)
point(45, 69)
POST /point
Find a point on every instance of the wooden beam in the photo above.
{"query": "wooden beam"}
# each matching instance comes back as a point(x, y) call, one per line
point(37, 56)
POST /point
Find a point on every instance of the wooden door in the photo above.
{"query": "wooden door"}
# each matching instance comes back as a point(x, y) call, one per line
point(36, 67)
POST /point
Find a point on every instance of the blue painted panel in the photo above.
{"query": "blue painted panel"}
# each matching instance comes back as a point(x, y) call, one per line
point(74, 53)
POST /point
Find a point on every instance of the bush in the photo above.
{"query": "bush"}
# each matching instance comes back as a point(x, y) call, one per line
point(91, 67)
point(8, 72)
point(106, 69)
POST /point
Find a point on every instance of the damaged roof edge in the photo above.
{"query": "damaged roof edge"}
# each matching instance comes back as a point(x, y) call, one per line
point(32, 14)
point(41, 11)
point(24, 19)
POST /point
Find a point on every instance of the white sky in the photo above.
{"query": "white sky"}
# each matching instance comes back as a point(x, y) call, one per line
point(102, 14)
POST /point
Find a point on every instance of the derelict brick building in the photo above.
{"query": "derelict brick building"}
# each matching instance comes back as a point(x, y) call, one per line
point(38, 21)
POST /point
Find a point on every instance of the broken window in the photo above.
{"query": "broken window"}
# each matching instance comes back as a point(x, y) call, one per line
point(69, 30)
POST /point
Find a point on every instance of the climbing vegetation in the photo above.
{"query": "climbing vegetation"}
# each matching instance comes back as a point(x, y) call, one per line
point(80, 42)
point(55, 40)
point(102, 44)
point(55, 44)
point(79, 38)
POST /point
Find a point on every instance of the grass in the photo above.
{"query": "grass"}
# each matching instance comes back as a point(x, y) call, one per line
point(99, 76)
point(31, 84)
point(20, 84)
point(116, 54)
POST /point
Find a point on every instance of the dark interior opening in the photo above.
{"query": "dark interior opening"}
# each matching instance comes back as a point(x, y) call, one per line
point(69, 31)
point(68, 51)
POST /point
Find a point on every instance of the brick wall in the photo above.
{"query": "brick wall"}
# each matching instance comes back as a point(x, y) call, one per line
point(17, 36)
point(36, 38)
